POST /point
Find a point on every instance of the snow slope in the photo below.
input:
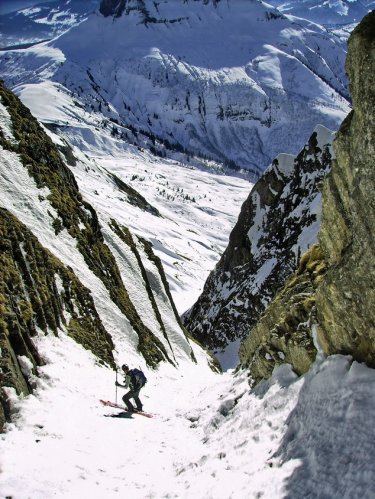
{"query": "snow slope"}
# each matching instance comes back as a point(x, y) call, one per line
point(31, 205)
point(198, 208)
point(328, 13)
point(40, 20)
point(210, 437)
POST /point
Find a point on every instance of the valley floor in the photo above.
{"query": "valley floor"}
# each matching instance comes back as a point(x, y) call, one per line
point(211, 437)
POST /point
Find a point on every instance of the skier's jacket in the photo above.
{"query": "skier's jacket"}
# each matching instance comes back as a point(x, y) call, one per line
point(136, 379)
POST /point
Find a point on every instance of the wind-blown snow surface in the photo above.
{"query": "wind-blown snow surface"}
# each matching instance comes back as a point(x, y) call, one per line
point(329, 12)
point(27, 24)
point(198, 210)
point(210, 437)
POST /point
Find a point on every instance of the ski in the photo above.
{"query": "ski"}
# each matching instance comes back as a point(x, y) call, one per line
point(123, 408)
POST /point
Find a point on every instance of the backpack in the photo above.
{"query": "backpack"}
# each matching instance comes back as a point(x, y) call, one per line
point(139, 377)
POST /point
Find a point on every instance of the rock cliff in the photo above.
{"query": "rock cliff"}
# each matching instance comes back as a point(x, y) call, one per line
point(332, 295)
point(345, 299)
point(278, 222)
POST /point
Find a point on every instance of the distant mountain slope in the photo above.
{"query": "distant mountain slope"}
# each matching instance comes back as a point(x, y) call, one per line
point(42, 21)
point(328, 13)
point(162, 70)
point(278, 222)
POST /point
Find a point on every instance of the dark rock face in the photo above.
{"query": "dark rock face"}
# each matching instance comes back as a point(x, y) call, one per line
point(30, 300)
point(278, 222)
point(339, 279)
point(118, 7)
point(112, 7)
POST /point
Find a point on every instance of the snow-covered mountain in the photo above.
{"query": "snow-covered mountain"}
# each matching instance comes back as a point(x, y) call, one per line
point(80, 292)
point(329, 12)
point(41, 21)
point(278, 222)
point(235, 81)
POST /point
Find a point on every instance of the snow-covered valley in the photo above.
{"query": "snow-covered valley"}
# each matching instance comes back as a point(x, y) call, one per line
point(197, 211)
point(198, 206)
point(149, 129)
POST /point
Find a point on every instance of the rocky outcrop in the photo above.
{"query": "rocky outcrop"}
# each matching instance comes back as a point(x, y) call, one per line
point(340, 289)
point(345, 301)
point(278, 222)
point(41, 294)
point(283, 333)
point(117, 8)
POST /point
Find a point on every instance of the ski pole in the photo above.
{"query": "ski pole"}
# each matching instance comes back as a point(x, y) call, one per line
point(116, 387)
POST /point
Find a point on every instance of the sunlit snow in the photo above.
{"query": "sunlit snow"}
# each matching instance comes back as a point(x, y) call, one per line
point(211, 436)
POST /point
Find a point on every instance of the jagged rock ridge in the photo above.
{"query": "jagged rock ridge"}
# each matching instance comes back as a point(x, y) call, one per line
point(277, 223)
point(70, 278)
point(337, 293)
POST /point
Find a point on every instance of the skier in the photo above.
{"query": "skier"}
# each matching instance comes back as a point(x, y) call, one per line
point(135, 380)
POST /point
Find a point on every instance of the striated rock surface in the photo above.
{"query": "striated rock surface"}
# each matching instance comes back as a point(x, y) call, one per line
point(278, 222)
point(338, 282)
point(345, 301)
point(283, 333)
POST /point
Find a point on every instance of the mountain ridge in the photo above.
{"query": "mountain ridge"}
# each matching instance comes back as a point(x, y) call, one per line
point(177, 83)
point(278, 222)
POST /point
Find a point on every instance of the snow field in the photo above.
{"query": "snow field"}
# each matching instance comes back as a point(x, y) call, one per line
point(210, 437)
point(190, 236)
